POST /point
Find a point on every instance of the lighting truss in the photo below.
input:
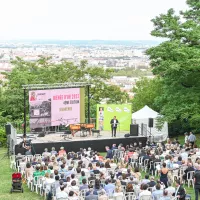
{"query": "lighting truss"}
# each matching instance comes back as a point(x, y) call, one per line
point(55, 85)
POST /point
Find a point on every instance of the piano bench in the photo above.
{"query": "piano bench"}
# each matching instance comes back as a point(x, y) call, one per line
point(67, 134)
point(96, 131)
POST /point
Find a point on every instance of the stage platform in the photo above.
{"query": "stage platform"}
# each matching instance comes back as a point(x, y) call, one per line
point(75, 143)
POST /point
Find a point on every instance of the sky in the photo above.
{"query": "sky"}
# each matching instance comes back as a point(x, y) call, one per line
point(81, 19)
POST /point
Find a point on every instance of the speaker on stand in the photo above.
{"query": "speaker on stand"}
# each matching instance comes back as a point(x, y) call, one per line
point(8, 129)
point(133, 129)
point(150, 125)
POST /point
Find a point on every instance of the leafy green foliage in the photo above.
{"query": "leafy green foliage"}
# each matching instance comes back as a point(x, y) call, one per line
point(147, 92)
point(44, 71)
point(131, 72)
point(176, 62)
point(3, 138)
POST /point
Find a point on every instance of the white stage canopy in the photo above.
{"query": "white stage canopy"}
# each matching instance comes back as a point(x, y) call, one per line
point(141, 117)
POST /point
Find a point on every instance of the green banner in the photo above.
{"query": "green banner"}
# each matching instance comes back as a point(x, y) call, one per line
point(106, 112)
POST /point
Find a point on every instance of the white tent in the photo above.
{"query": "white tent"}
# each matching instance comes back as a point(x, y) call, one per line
point(141, 117)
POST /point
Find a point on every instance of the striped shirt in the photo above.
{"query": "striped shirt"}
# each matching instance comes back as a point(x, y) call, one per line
point(191, 138)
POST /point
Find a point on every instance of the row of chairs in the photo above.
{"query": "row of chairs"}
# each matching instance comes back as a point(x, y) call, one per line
point(176, 174)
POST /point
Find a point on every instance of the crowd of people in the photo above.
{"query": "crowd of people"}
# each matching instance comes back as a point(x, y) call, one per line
point(118, 175)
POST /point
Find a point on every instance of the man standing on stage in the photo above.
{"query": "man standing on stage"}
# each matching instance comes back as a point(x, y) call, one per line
point(114, 122)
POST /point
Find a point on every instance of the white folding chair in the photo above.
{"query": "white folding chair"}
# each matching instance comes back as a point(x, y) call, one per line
point(175, 175)
point(29, 180)
point(97, 176)
point(123, 188)
point(109, 171)
point(190, 178)
point(83, 193)
point(150, 189)
point(35, 183)
point(182, 169)
point(146, 197)
point(41, 186)
point(129, 196)
point(29, 158)
point(92, 182)
point(134, 162)
point(145, 167)
point(37, 156)
point(155, 167)
point(13, 162)
point(140, 162)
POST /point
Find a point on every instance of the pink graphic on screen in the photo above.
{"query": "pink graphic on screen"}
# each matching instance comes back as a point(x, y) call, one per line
point(54, 107)
point(65, 106)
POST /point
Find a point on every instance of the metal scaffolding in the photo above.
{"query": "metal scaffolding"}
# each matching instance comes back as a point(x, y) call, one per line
point(55, 86)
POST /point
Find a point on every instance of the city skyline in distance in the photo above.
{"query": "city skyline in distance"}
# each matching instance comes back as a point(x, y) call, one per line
point(113, 20)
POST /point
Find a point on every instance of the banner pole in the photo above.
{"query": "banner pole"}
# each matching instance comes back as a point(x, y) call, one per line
point(24, 111)
point(88, 90)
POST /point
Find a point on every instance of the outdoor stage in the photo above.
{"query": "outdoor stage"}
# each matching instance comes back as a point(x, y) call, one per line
point(75, 143)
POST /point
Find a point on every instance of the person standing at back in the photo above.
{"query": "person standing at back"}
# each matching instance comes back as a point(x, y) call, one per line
point(114, 122)
point(192, 139)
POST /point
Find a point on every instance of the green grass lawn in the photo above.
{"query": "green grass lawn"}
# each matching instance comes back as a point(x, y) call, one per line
point(5, 183)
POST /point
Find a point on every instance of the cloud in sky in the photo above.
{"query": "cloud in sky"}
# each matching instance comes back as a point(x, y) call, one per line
point(81, 19)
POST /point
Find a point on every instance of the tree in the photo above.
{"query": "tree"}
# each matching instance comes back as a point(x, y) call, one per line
point(177, 63)
point(147, 92)
point(43, 71)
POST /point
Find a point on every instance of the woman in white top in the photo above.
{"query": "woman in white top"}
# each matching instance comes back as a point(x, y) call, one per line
point(186, 138)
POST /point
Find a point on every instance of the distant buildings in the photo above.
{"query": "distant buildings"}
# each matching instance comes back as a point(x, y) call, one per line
point(108, 56)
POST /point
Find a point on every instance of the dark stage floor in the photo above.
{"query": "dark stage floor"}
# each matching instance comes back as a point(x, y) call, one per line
point(74, 144)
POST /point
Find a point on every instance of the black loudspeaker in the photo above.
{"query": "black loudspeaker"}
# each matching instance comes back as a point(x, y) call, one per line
point(127, 135)
point(41, 134)
point(150, 124)
point(8, 129)
point(134, 129)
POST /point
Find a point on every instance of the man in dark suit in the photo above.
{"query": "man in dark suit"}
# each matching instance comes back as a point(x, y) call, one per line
point(114, 122)
point(180, 191)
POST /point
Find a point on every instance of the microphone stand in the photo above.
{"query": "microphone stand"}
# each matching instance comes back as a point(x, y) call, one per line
point(150, 134)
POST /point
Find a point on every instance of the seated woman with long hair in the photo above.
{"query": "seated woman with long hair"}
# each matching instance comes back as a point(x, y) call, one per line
point(118, 193)
point(129, 188)
point(137, 173)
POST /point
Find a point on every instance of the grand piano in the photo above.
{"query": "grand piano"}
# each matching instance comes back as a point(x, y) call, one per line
point(83, 127)
point(73, 128)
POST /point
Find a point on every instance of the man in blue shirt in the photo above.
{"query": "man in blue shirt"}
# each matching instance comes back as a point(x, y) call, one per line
point(192, 139)
point(109, 188)
point(84, 186)
point(157, 192)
